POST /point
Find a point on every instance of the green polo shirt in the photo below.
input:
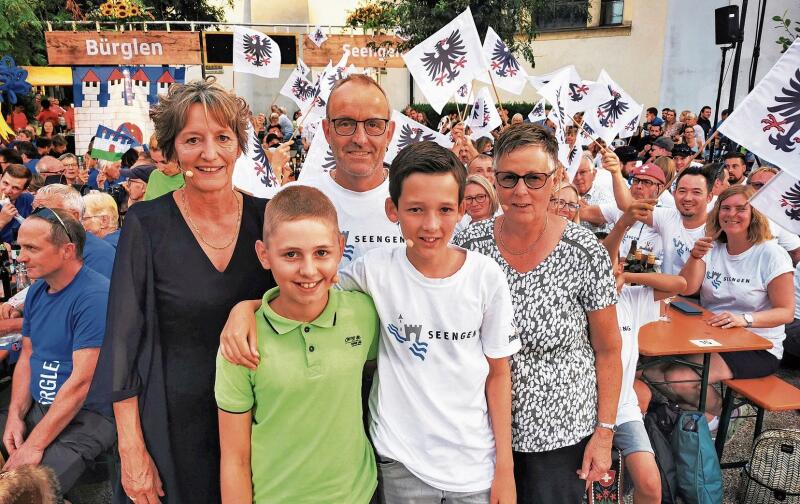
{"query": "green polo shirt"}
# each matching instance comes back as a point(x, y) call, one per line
point(308, 443)
point(159, 184)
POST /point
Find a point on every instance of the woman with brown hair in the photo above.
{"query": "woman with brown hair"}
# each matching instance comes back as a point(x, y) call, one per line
point(183, 261)
point(565, 202)
point(745, 279)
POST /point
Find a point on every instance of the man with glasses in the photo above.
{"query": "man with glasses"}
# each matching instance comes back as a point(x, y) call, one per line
point(591, 193)
point(54, 419)
point(786, 239)
point(358, 130)
point(16, 201)
point(647, 181)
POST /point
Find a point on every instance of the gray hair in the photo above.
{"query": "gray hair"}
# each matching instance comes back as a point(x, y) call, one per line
point(69, 198)
point(68, 155)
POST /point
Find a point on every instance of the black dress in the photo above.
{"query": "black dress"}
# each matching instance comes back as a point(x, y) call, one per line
point(167, 306)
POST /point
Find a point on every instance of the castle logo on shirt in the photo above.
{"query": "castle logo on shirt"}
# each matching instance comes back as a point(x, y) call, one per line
point(680, 248)
point(717, 279)
point(413, 334)
point(348, 248)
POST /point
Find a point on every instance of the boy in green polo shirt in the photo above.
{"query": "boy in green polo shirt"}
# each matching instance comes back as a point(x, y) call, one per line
point(295, 423)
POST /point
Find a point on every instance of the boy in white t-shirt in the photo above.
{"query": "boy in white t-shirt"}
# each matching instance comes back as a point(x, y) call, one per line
point(441, 401)
point(638, 305)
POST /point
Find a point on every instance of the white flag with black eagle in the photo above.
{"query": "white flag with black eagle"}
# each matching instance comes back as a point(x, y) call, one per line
point(614, 113)
point(319, 160)
point(767, 122)
point(255, 53)
point(483, 117)
point(324, 85)
point(779, 200)
point(252, 172)
point(408, 132)
point(506, 71)
point(463, 94)
point(299, 89)
point(538, 112)
point(302, 68)
point(446, 60)
point(317, 36)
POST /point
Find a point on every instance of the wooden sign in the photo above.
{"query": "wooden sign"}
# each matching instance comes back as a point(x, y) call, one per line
point(359, 48)
point(123, 48)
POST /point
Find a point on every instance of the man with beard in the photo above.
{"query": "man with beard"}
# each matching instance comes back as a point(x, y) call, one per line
point(734, 162)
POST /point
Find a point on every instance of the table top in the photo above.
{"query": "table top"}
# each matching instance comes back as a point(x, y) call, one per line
point(659, 338)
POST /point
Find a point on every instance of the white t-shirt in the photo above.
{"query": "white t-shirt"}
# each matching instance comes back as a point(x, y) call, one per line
point(676, 239)
point(599, 195)
point(362, 217)
point(666, 200)
point(646, 237)
point(428, 399)
point(797, 291)
point(738, 284)
point(636, 307)
point(785, 238)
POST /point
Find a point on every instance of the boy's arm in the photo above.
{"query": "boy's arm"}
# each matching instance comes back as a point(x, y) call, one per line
point(663, 285)
point(236, 479)
point(238, 340)
point(498, 399)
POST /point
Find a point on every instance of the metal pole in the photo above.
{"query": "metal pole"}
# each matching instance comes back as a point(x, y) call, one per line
point(757, 46)
point(725, 50)
point(736, 58)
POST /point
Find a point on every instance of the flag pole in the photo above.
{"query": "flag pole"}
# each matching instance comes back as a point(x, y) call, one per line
point(469, 100)
point(496, 94)
point(455, 99)
point(703, 148)
point(580, 124)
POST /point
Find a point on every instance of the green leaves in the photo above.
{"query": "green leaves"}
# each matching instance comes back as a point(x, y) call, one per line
point(783, 24)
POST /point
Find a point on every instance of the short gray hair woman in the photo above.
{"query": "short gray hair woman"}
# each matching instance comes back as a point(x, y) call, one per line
point(184, 259)
point(567, 376)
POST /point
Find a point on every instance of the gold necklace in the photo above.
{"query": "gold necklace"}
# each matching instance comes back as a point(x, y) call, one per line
point(197, 229)
point(530, 247)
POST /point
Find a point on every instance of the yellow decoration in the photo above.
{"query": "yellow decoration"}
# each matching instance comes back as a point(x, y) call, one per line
point(5, 130)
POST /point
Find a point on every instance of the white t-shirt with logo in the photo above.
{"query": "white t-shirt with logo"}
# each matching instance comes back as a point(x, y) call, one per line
point(738, 284)
point(428, 399)
point(647, 239)
point(362, 217)
point(676, 239)
point(636, 307)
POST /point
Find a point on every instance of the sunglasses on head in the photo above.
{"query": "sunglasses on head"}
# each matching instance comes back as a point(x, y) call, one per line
point(48, 214)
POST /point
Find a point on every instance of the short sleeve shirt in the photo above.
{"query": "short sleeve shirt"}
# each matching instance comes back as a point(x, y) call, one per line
point(307, 440)
point(24, 205)
point(647, 239)
point(738, 283)
point(554, 382)
point(599, 195)
point(676, 239)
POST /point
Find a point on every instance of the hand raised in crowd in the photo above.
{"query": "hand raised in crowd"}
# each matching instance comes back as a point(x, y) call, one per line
point(139, 477)
point(7, 311)
point(83, 175)
point(280, 156)
point(611, 162)
point(101, 178)
point(596, 457)
point(638, 210)
point(702, 246)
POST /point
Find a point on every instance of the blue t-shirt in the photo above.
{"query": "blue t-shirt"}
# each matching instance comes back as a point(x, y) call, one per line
point(92, 180)
point(58, 324)
point(99, 255)
point(112, 238)
point(31, 165)
point(24, 205)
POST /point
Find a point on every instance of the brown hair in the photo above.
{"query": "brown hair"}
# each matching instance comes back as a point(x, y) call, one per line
point(169, 115)
point(523, 135)
point(299, 202)
point(19, 171)
point(757, 232)
point(428, 158)
point(667, 166)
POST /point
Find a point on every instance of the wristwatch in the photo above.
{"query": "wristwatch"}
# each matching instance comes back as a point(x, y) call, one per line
point(748, 317)
point(610, 426)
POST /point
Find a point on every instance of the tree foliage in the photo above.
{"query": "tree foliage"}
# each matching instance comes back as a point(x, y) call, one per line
point(415, 20)
point(785, 24)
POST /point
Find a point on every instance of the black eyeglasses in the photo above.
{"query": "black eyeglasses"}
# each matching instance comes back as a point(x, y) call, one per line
point(48, 214)
point(560, 204)
point(643, 182)
point(480, 198)
point(345, 126)
point(509, 180)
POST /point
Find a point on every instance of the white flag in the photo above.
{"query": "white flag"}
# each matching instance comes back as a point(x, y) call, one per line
point(408, 132)
point(779, 200)
point(630, 129)
point(447, 59)
point(576, 95)
point(484, 117)
point(506, 70)
point(302, 68)
point(612, 115)
point(317, 36)
point(319, 160)
point(767, 122)
point(463, 94)
point(324, 85)
point(255, 53)
point(572, 157)
point(539, 81)
point(299, 89)
point(539, 112)
point(252, 172)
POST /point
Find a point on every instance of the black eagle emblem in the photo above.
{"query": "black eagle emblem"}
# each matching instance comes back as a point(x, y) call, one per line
point(262, 167)
point(481, 113)
point(302, 89)
point(257, 50)
point(791, 199)
point(577, 91)
point(410, 135)
point(337, 74)
point(608, 112)
point(328, 163)
point(631, 126)
point(448, 56)
point(504, 63)
point(788, 107)
point(463, 91)
point(538, 110)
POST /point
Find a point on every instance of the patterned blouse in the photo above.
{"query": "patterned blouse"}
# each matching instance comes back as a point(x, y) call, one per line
point(554, 385)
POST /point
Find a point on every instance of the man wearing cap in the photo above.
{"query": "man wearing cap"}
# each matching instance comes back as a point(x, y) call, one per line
point(681, 154)
point(662, 146)
point(647, 181)
point(628, 157)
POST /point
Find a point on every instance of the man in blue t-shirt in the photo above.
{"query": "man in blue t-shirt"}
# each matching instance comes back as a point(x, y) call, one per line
point(13, 183)
point(54, 418)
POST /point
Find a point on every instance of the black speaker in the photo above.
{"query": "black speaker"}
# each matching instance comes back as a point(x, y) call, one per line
point(726, 25)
